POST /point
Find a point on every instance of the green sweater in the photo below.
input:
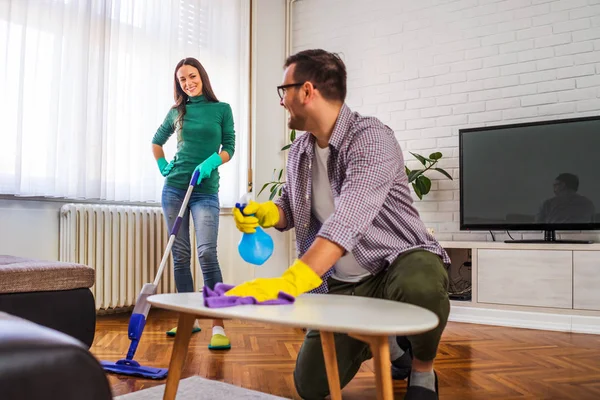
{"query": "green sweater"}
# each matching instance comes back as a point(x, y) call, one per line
point(206, 127)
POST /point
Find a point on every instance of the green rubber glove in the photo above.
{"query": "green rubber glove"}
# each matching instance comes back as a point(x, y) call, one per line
point(164, 167)
point(208, 166)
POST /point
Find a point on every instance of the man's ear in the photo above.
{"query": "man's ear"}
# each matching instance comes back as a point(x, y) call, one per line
point(308, 90)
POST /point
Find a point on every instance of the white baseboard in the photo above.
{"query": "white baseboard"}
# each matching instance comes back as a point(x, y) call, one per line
point(584, 324)
point(526, 319)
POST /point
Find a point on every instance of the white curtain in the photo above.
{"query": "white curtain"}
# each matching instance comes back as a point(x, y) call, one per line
point(84, 84)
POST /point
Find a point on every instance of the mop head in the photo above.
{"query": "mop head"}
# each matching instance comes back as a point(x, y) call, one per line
point(133, 368)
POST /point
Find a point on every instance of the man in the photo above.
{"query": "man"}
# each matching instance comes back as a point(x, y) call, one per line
point(347, 195)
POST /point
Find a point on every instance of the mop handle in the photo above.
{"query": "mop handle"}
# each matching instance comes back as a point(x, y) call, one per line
point(176, 226)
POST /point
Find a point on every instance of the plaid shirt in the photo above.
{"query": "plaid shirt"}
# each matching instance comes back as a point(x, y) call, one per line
point(374, 216)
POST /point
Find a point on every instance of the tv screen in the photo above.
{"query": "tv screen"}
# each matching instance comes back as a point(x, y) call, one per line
point(534, 176)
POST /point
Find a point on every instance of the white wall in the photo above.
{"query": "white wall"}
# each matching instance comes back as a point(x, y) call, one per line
point(429, 67)
point(31, 228)
point(269, 117)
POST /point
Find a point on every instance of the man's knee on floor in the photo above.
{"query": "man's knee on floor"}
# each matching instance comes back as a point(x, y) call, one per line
point(308, 387)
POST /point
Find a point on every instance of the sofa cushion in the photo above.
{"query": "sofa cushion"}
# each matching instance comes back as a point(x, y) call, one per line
point(19, 275)
point(22, 333)
point(69, 311)
point(40, 363)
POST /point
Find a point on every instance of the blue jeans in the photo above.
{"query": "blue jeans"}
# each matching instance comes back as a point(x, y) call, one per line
point(205, 212)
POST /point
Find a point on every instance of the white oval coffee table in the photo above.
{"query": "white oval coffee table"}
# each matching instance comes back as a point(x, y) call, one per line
point(367, 319)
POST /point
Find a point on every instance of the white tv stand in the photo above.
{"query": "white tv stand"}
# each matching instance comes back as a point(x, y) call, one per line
point(550, 286)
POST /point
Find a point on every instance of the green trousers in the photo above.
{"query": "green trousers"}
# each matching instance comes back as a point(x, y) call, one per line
point(417, 277)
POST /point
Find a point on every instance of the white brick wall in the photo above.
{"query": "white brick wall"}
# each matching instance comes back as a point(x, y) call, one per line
point(429, 67)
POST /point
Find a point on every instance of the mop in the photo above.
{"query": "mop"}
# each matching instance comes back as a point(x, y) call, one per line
point(127, 365)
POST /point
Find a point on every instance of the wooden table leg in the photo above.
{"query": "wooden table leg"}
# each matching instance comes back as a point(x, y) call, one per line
point(381, 357)
point(180, 349)
point(331, 366)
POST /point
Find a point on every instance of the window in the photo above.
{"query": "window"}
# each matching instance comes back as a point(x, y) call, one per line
point(84, 84)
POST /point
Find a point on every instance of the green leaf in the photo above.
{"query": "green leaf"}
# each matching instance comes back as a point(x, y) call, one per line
point(414, 174)
point(287, 146)
point(280, 174)
point(279, 193)
point(443, 172)
point(273, 188)
point(419, 157)
point(292, 135)
point(263, 188)
point(435, 156)
point(421, 186)
point(407, 170)
point(417, 190)
point(424, 184)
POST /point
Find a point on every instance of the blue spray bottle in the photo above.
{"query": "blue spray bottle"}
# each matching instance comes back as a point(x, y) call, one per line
point(254, 248)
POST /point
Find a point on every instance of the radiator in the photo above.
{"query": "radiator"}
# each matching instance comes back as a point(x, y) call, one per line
point(124, 245)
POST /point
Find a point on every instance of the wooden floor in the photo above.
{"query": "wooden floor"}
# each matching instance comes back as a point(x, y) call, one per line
point(474, 361)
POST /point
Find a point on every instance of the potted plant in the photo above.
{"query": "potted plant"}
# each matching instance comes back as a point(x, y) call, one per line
point(421, 184)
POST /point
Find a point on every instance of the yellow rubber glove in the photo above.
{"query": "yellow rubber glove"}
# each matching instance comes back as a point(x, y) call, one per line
point(298, 279)
point(244, 223)
point(265, 214)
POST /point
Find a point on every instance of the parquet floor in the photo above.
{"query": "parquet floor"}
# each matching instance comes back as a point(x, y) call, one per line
point(474, 361)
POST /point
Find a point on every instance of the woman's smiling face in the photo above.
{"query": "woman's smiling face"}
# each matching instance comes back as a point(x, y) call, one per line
point(189, 80)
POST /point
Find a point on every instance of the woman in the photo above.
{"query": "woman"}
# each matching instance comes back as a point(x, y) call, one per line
point(205, 140)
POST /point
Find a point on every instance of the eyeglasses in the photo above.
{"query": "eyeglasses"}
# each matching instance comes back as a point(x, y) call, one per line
point(281, 89)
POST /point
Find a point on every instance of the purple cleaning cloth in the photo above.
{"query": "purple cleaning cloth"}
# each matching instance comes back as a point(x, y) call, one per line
point(216, 298)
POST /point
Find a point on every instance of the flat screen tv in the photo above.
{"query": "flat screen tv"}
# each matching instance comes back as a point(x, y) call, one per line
point(540, 176)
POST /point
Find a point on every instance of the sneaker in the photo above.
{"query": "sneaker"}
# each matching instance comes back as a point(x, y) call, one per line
point(421, 393)
point(219, 342)
point(173, 331)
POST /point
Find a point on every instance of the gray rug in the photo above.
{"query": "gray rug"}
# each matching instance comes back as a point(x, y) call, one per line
point(197, 388)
